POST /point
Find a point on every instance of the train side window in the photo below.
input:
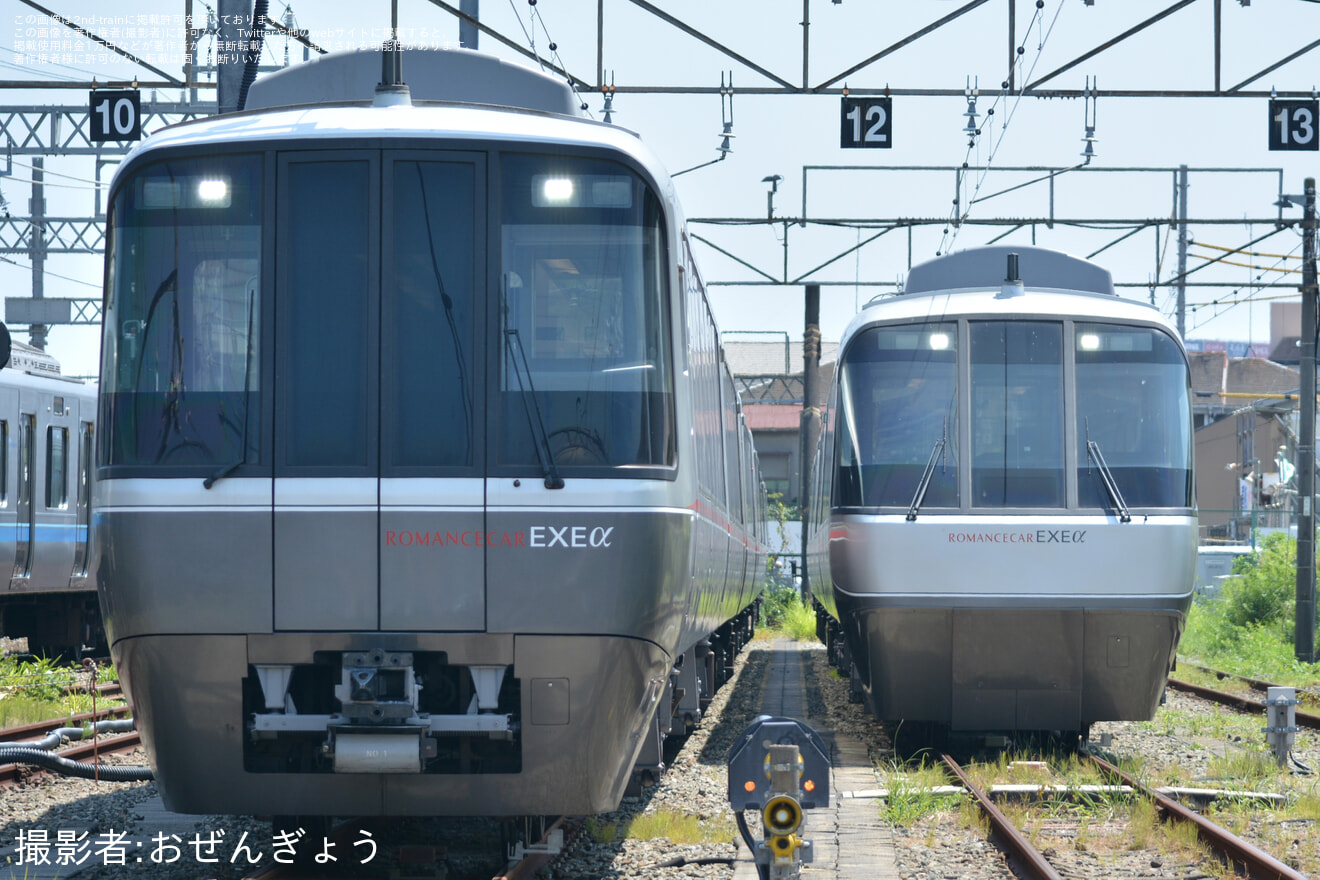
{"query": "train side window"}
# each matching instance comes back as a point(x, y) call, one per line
point(57, 468)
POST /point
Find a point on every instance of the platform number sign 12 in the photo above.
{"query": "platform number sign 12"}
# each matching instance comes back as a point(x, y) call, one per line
point(1294, 125)
point(116, 115)
point(867, 123)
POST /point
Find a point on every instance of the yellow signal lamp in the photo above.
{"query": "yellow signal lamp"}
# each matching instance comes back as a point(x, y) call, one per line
point(782, 816)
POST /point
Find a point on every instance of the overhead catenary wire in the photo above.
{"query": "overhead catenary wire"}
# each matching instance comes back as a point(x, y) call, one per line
point(534, 17)
point(1237, 301)
point(957, 215)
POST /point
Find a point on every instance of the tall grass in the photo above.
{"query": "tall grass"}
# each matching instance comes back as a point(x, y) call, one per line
point(786, 614)
point(1248, 628)
point(680, 829)
point(36, 690)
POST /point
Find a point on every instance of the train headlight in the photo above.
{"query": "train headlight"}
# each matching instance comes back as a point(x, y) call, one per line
point(557, 190)
point(939, 341)
point(213, 193)
point(1089, 341)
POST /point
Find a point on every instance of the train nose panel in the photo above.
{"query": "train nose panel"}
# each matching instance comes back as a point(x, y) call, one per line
point(380, 554)
point(432, 557)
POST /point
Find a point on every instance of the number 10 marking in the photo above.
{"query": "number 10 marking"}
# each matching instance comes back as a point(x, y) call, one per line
point(122, 117)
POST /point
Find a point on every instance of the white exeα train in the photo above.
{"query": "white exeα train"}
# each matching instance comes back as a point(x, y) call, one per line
point(1005, 531)
point(422, 481)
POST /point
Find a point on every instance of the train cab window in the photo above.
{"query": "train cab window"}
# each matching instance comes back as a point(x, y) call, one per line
point(1133, 404)
point(427, 318)
point(898, 412)
point(583, 317)
point(57, 468)
point(180, 372)
point(1017, 414)
point(325, 314)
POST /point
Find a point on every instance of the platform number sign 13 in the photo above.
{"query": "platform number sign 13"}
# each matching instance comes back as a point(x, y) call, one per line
point(1294, 125)
point(867, 123)
point(116, 115)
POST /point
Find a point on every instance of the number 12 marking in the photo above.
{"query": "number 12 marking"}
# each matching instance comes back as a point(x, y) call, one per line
point(873, 135)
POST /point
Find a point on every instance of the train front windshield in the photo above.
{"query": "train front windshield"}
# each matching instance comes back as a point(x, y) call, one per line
point(585, 365)
point(900, 403)
point(183, 316)
point(342, 312)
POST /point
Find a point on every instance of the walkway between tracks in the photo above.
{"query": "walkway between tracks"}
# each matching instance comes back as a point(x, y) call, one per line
point(851, 840)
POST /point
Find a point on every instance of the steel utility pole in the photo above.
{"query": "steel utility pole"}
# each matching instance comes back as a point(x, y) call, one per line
point(1304, 632)
point(468, 33)
point(1182, 251)
point(810, 422)
point(37, 209)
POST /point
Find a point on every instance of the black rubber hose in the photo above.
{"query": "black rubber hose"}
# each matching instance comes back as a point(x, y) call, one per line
point(55, 738)
point(255, 43)
point(80, 769)
point(762, 871)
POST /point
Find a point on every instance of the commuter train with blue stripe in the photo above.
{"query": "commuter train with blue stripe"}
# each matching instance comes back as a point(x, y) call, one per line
point(422, 483)
point(1004, 532)
point(47, 424)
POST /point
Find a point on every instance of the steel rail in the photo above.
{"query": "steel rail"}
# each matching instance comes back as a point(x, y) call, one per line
point(1256, 683)
point(1244, 704)
point(1258, 862)
point(1028, 856)
point(9, 773)
point(38, 729)
point(533, 861)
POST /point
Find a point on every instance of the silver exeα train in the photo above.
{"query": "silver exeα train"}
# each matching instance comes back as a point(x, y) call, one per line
point(422, 481)
point(1006, 536)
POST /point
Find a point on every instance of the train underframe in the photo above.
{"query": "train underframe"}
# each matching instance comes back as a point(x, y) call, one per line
point(55, 624)
point(415, 723)
point(1004, 670)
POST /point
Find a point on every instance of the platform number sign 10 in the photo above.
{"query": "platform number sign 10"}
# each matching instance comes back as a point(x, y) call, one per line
point(116, 115)
point(867, 123)
point(1294, 125)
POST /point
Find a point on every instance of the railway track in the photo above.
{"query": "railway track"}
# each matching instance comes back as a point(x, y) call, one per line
point(1253, 683)
point(81, 751)
point(1241, 703)
point(1032, 863)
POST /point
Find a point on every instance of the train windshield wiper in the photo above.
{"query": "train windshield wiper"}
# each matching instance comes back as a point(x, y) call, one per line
point(935, 455)
point(1107, 477)
point(513, 349)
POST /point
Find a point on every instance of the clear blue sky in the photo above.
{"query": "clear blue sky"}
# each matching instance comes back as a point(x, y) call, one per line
point(781, 135)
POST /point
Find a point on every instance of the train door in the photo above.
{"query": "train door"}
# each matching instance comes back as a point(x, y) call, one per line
point(83, 527)
point(25, 510)
point(378, 496)
point(54, 502)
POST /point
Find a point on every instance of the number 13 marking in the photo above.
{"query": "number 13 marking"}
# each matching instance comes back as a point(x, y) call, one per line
point(1304, 130)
